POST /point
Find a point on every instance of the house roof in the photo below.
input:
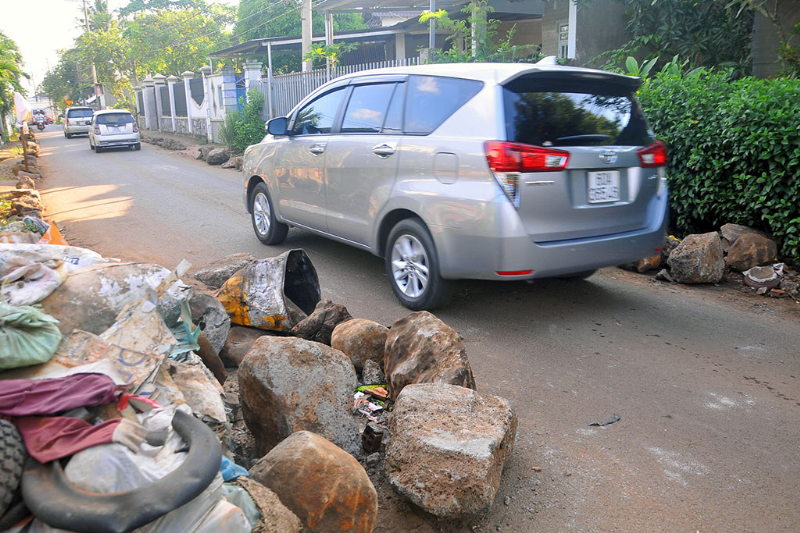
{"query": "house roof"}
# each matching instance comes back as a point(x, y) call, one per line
point(521, 7)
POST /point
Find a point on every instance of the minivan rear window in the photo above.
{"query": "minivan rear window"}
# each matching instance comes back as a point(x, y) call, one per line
point(77, 113)
point(573, 113)
point(432, 99)
point(114, 119)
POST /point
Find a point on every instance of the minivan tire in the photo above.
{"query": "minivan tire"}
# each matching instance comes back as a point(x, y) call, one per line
point(137, 146)
point(266, 226)
point(412, 237)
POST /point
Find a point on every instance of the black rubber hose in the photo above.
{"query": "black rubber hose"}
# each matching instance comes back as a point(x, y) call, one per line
point(53, 499)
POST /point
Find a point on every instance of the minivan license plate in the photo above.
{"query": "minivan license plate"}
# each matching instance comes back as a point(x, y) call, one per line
point(603, 186)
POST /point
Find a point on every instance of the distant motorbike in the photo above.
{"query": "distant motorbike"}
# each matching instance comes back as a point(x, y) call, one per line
point(40, 123)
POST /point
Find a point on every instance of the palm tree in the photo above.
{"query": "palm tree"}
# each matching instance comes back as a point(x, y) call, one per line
point(11, 75)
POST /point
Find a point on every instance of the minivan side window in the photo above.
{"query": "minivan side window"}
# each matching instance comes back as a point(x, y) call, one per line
point(367, 107)
point(432, 99)
point(317, 117)
point(394, 116)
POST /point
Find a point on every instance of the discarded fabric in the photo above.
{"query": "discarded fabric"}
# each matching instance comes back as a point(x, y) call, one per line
point(25, 397)
point(28, 336)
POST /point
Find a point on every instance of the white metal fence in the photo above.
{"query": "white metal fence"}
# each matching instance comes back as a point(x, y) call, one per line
point(287, 90)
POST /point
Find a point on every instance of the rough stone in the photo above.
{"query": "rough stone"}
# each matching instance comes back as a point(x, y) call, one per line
point(29, 175)
point(449, 464)
point(327, 489)
point(422, 349)
point(173, 144)
point(749, 250)
point(25, 182)
point(319, 325)
point(288, 384)
point(27, 205)
point(372, 374)
point(275, 517)
point(211, 316)
point(240, 341)
point(731, 232)
point(648, 263)
point(204, 150)
point(209, 356)
point(234, 162)
point(217, 156)
point(361, 340)
point(217, 273)
point(697, 259)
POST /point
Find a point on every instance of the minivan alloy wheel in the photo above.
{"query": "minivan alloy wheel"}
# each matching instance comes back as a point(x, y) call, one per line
point(261, 212)
point(410, 266)
point(267, 228)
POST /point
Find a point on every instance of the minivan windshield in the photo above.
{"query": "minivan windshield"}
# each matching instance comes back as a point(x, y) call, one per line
point(114, 119)
point(77, 113)
point(573, 113)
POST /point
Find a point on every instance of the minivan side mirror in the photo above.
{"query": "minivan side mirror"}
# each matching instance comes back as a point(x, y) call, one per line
point(277, 126)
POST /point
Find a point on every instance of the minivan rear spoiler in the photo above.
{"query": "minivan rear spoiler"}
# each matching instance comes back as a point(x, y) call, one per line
point(544, 72)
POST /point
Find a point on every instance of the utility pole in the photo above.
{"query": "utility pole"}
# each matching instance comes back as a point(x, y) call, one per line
point(305, 48)
point(97, 92)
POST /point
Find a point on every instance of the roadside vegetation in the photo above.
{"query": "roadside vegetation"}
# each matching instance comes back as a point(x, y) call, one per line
point(240, 130)
point(11, 75)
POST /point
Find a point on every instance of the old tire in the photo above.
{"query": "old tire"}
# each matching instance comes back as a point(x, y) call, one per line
point(413, 267)
point(12, 459)
point(267, 228)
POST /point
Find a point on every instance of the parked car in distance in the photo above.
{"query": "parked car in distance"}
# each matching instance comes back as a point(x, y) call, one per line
point(466, 171)
point(114, 128)
point(76, 121)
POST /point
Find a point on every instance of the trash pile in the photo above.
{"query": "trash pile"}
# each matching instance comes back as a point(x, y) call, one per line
point(117, 413)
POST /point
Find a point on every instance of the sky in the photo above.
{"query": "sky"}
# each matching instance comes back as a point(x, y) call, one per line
point(42, 27)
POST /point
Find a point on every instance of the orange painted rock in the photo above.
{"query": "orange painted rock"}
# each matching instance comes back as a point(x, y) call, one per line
point(324, 486)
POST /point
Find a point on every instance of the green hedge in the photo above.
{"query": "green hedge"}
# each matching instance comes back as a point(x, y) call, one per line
point(734, 150)
point(240, 130)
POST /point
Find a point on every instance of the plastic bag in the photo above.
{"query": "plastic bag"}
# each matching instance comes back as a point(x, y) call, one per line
point(28, 336)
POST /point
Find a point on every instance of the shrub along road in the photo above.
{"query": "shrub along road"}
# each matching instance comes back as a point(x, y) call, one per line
point(706, 380)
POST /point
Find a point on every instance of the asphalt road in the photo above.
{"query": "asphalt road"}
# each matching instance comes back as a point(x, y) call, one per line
point(706, 380)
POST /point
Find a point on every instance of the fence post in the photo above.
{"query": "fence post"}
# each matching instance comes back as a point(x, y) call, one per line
point(187, 89)
point(252, 73)
point(171, 84)
point(206, 71)
point(159, 82)
point(147, 94)
point(229, 90)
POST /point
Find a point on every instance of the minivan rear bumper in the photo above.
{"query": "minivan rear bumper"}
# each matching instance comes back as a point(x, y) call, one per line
point(464, 255)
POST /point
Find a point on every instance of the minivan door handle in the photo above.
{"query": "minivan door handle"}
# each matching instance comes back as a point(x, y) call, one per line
point(317, 149)
point(383, 150)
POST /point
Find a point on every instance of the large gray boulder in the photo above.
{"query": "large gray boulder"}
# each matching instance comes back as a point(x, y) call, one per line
point(217, 156)
point(750, 250)
point(326, 488)
point(288, 384)
point(422, 349)
point(361, 340)
point(448, 448)
point(698, 259)
point(731, 232)
point(216, 273)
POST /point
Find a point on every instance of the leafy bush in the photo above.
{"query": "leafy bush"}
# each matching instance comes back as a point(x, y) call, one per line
point(240, 130)
point(734, 151)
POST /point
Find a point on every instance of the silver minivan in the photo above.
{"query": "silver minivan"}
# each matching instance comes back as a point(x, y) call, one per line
point(77, 120)
point(114, 128)
point(466, 171)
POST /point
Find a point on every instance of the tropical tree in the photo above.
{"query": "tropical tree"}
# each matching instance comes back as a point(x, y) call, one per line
point(11, 75)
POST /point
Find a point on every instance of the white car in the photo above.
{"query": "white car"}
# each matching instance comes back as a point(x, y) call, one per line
point(114, 128)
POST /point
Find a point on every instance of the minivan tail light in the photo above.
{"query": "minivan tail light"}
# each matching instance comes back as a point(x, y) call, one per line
point(67, 122)
point(97, 131)
point(135, 128)
point(516, 157)
point(654, 155)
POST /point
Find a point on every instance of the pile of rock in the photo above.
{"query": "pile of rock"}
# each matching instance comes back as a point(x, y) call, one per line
point(165, 143)
point(735, 251)
point(443, 446)
point(216, 155)
point(21, 208)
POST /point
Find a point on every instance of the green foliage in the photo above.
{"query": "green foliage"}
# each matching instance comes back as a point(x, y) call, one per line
point(240, 130)
point(11, 75)
point(320, 53)
point(712, 33)
point(734, 151)
point(485, 46)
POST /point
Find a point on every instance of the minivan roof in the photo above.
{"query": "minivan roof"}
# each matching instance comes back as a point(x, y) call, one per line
point(500, 73)
point(107, 111)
